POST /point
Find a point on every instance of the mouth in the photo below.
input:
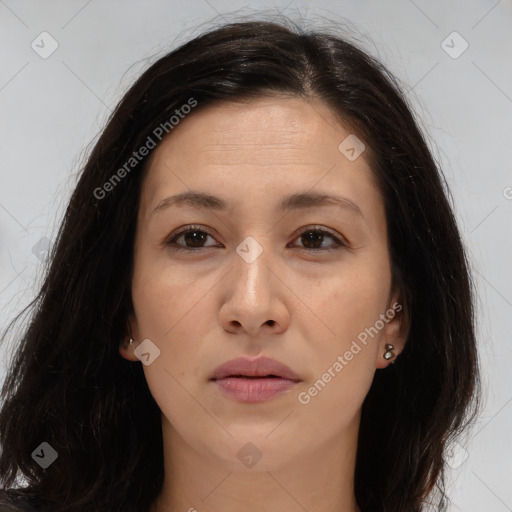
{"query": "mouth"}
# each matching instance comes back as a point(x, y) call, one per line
point(257, 380)
point(240, 376)
point(260, 367)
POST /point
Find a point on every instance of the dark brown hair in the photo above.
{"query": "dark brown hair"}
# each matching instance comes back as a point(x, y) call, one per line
point(69, 386)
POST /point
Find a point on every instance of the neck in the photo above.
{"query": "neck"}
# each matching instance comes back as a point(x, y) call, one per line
point(321, 479)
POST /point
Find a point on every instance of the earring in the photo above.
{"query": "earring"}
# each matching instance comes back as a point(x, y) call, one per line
point(131, 341)
point(389, 354)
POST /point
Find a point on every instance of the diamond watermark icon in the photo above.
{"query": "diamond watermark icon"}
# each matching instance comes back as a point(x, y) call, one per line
point(249, 249)
point(456, 456)
point(44, 455)
point(44, 45)
point(40, 250)
point(351, 147)
point(147, 352)
point(454, 45)
point(249, 455)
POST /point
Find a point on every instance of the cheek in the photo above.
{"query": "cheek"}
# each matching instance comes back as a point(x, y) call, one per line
point(165, 308)
point(344, 358)
point(162, 295)
point(168, 311)
point(355, 298)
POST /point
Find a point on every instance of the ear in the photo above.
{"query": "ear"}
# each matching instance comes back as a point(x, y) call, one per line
point(125, 347)
point(395, 332)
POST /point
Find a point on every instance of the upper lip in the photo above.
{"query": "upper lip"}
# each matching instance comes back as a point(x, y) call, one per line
point(259, 367)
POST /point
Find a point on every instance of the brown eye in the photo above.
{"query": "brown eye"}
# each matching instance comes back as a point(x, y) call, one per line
point(193, 238)
point(314, 238)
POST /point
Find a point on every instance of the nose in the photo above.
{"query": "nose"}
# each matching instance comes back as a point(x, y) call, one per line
point(254, 298)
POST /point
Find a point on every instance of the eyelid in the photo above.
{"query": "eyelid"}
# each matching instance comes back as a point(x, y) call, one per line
point(185, 229)
point(339, 240)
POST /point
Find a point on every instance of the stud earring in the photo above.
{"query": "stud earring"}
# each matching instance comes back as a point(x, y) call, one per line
point(131, 341)
point(389, 354)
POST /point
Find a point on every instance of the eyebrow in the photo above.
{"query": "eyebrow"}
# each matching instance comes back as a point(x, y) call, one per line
point(296, 201)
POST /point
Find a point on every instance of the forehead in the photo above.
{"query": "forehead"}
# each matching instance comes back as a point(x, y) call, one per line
point(273, 123)
point(262, 145)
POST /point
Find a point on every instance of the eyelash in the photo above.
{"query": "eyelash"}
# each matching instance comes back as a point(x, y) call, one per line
point(169, 241)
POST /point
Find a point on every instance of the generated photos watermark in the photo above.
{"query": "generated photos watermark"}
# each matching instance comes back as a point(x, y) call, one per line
point(137, 156)
point(304, 397)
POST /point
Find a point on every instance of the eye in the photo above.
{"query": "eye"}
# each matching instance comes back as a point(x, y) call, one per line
point(195, 236)
point(311, 236)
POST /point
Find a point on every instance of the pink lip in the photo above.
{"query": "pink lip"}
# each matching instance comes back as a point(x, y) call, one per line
point(254, 380)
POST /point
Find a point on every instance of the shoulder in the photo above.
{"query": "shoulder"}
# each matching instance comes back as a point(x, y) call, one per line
point(15, 500)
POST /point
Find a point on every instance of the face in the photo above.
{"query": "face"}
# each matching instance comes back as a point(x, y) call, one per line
point(305, 282)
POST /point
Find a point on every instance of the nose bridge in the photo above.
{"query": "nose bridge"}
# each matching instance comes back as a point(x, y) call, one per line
point(253, 274)
point(252, 303)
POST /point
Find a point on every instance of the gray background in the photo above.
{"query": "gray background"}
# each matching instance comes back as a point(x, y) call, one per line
point(52, 108)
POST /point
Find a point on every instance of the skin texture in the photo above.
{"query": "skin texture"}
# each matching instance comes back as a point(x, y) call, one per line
point(302, 308)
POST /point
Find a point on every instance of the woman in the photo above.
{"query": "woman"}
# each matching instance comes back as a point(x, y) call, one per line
point(263, 227)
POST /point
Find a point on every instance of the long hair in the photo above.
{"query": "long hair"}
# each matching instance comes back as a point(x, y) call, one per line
point(68, 386)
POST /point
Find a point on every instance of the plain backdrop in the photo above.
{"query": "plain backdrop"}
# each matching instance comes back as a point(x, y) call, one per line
point(454, 57)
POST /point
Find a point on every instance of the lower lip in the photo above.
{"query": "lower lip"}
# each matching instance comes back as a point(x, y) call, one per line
point(254, 390)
